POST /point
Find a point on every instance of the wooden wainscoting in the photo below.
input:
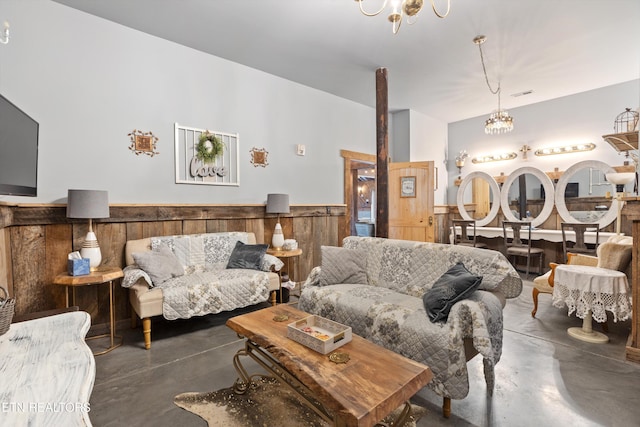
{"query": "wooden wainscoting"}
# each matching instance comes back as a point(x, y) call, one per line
point(35, 241)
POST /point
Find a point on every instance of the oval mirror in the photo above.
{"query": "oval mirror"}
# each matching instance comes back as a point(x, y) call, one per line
point(527, 195)
point(480, 192)
point(581, 191)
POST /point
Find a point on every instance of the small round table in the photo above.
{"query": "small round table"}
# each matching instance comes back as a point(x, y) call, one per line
point(591, 292)
point(286, 257)
point(103, 274)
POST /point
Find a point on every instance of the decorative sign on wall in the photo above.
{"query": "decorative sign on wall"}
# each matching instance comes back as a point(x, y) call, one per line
point(259, 157)
point(206, 157)
point(408, 186)
point(143, 143)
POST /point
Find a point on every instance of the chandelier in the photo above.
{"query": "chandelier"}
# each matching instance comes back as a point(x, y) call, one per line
point(500, 121)
point(399, 8)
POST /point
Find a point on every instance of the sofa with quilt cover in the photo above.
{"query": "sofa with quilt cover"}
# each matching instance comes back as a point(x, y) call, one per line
point(183, 276)
point(397, 293)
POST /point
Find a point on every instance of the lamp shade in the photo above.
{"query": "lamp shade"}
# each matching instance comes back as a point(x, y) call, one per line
point(277, 203)
point(87, 204)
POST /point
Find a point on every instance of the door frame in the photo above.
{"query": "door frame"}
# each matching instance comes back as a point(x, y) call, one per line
point(353, 160)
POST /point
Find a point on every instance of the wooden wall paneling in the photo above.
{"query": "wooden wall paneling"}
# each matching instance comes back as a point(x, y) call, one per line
point(112, 242)
point(633, 343)
point(6, 275)
point(58, 244)
point(172, 228)
point(39, 237)
point(216, 225)
point(151, 229)
point(194, 226)
point(134, 230)
point(302, 232)
point(29, 271)
point(287, 227)
point(269, 226)
point(86, 296)
point(237, 224)
point(256, 226)
point(6, 216)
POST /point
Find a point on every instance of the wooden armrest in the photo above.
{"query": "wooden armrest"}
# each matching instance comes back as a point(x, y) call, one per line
point(553, 266)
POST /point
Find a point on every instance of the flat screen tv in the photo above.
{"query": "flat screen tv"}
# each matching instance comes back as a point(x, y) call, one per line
point(18, 151)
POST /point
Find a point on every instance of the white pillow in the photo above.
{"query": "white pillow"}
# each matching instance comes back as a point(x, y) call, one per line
point(160, 264)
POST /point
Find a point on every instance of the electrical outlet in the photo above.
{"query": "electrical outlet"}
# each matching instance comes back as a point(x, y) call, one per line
point(300, 149)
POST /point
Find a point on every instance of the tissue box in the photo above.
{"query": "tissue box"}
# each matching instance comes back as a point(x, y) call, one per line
point(78, 267)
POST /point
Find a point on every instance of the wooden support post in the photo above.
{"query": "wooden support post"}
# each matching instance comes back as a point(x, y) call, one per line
point(382, 150)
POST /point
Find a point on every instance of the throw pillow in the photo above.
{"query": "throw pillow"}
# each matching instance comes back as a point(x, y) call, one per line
point(247, 256)
point(160, 264)
point(614, 256)
point(455, 284)
point(340, 265)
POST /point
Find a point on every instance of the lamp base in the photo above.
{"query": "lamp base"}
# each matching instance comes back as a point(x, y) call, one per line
point(90, 249)
point(277, 241)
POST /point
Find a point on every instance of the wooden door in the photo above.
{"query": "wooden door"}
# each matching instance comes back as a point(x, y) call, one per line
point(411, 193)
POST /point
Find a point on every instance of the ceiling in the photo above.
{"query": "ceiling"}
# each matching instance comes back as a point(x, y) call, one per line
point(554, 48)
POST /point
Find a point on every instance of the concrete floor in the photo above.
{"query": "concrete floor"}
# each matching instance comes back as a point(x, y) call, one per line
point(545, 377)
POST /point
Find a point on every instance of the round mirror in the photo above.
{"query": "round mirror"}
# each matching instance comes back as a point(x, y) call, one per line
point(581, 194)
point(527, 195)
point(479, 191)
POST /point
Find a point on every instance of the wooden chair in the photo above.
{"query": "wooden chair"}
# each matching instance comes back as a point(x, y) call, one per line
point(544, 284)
point(517, 246)
point(463, 238)
point(579, 246)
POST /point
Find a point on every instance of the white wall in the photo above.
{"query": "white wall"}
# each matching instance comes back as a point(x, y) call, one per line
point(400, 136)
point(429, 142)
point(579, 118)
point(89, 82)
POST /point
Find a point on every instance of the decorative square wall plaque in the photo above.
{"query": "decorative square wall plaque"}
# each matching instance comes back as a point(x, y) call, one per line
point(259, 157)
point(143, 143)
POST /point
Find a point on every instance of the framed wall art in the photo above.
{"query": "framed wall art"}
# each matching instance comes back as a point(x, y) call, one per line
point(407, 186)
point(205, 157)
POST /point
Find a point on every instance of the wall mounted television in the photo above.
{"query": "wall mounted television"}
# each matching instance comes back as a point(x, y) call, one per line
point(18, 151)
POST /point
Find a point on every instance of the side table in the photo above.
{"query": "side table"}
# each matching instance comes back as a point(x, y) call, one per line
point(104, 274)
point(589, 291)
point(286, 257)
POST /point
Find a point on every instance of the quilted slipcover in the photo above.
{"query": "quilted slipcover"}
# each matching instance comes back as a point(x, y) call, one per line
point(389, 309)
point(207, 287)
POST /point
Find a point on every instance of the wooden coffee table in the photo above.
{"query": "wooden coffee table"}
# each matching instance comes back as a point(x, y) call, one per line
point(360, 392)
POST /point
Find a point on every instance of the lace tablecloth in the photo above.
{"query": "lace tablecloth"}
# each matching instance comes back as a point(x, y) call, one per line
point(582, 288)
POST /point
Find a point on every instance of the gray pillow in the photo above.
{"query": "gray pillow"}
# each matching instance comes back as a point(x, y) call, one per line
point(454, 285)
point(160, 264)
point(247, 256)
point(340, 265)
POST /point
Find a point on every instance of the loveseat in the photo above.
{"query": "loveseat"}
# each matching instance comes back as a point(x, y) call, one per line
point(183, 276)
point(377, 286)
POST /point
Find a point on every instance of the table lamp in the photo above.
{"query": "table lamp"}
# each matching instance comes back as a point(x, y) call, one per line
point(89, 204)
point(620, 179)
point(277, 204)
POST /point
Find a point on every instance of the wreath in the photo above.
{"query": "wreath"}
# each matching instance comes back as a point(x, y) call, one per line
point(208, 152)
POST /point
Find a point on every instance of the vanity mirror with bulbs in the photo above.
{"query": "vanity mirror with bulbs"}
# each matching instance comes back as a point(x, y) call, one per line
point(582, 193)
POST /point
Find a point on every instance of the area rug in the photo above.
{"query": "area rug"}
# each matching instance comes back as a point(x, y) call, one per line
point(268, 405)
